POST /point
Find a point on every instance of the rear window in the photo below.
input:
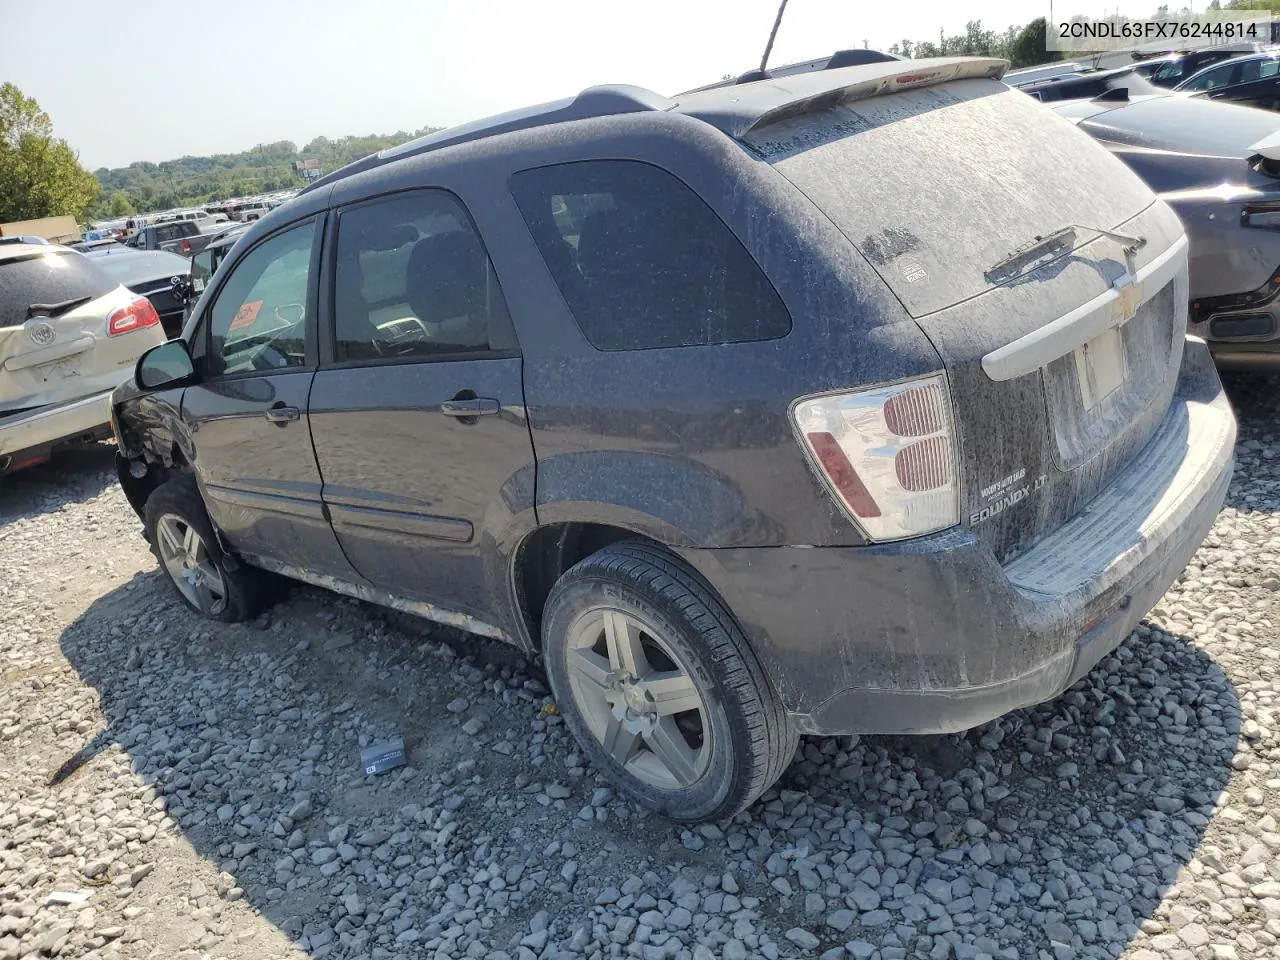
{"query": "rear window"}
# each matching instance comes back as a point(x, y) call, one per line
point(137, 269)
point(936, 186)
point(51, 277)
point(642, 261)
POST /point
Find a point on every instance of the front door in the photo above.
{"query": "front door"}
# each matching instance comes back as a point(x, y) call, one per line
point(248, 415)
point(418, 417)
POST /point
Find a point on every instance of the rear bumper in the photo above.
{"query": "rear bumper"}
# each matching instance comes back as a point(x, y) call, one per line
point(44, 426)
point(933, 635)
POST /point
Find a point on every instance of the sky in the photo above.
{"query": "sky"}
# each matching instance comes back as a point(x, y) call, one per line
point(156, 79)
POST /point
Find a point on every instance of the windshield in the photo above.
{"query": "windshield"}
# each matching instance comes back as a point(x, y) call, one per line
point(130, 270)
point(52, 277)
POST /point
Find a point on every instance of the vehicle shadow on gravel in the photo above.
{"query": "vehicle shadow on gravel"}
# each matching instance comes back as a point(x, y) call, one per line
point(77, 472)
point(1057, 828)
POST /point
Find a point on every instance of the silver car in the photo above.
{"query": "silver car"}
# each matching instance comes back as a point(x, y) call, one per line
point(69, 334)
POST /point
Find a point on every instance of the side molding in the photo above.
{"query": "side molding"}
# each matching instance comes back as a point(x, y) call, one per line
point(428, 611)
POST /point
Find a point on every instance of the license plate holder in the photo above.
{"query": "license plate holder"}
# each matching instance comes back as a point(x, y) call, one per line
point(1100, 367)
point(58, 370)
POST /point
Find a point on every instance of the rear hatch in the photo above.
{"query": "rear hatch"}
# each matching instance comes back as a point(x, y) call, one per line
point(54, 347)
point(993, 221)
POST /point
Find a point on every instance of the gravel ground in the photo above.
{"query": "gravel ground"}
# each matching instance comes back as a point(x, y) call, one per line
point(171, 788)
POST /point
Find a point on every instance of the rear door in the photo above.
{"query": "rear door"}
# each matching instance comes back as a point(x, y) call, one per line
point(256, 354)
point(1007, 233)
point(417, 414)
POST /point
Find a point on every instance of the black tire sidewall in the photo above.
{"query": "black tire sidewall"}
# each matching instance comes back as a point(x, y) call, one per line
point(714, 794)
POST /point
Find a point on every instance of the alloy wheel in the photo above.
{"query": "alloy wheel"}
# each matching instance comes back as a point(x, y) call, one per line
point(187, 560)
point(638, 699)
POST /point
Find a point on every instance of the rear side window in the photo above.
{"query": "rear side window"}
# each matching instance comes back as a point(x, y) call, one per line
point(413, 281)
point(642, 261)
point(48, 278)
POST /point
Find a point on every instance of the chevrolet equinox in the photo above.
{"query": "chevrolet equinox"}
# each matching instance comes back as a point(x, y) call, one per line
point(858, 401)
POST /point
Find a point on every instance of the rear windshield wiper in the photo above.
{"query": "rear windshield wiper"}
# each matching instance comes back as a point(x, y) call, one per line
point(1045, 249)
point(55, 309)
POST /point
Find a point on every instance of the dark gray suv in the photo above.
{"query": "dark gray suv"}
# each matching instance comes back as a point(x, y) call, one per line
point(845, 403)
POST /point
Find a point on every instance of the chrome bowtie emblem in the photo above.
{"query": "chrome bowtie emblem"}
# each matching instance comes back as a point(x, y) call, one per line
point(1126, 304)
point(41, 333)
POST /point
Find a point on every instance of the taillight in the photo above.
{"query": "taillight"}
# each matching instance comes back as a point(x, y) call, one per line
point(888, 454)
point(137, 315)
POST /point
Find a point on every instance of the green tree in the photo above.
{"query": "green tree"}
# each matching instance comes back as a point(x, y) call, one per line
point(119, 205)
point(1029, 48)
point(40, 175)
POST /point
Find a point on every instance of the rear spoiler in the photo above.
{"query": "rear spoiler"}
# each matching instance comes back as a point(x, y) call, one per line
point(737, 110)
point(902, 75)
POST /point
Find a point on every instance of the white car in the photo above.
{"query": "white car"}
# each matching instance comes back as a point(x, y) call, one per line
point(69, 335)
point(249, 211)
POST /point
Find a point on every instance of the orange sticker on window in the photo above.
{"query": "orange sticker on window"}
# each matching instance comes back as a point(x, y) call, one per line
point(246, 314)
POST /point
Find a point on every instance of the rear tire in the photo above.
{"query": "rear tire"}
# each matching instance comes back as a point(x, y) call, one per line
point(658, 684)
point(182, 538)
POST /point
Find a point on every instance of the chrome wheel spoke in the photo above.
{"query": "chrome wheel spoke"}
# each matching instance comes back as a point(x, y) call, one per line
point(209, 574)
point(591, 669)
point(170, 541)
point(204, 598)
point(619, 742)
point(186, 558)
point(669, 746)
point(622, 637)
point(672, 692)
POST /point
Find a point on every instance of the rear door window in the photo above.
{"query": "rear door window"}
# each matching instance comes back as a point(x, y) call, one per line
point(642, 261)
point(1210, 79)
point(413, 281)
point(47, 278)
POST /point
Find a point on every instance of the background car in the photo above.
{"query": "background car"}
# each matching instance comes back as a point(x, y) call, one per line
point(205, 263)
point(69, 334)
point(1252, 81)
point(1074, 86)
point(152, 274)
point(249, 210)
point(179, 236)
point(1171, 70)
point(1218, 165)
point(86, 245)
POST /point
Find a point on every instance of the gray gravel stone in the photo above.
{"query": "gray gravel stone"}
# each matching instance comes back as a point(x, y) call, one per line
point(233, 746)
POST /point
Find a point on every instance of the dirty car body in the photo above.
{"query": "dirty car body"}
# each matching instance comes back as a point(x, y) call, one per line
point(933, 455)
point(1218, 166)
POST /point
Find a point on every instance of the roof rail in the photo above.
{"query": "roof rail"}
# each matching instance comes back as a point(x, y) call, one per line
point(599, 101)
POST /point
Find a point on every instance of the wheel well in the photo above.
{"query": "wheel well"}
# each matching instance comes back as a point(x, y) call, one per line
point(138, 490)
point(547, 553)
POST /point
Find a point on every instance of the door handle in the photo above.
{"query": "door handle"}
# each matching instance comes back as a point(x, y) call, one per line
point(474, 407)
point(280, 414)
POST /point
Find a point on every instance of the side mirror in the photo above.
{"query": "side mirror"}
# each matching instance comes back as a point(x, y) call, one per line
point(166, 365)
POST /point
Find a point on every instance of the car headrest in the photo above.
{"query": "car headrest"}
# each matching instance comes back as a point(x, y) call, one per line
point(446, 277)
